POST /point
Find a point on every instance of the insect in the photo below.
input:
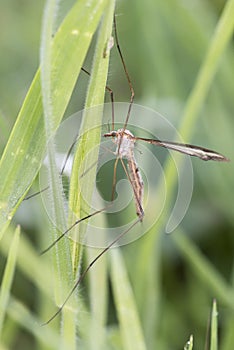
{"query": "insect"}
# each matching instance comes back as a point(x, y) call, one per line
point(125, 142)
point(125, 145)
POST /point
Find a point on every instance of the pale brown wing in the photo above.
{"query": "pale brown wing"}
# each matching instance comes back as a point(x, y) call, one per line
point(191, 150)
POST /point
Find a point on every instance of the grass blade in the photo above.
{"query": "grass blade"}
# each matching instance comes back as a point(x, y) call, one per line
point(203, 268)
point(130, 327)
point(26, 146)
point(62, 259)
point(49, 338)
point(189, 344)
point(214, 327)
point(221, 37)
point(90, 133)
point(8, 276)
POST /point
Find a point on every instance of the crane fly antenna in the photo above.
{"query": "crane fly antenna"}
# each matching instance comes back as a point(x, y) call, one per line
point(79, 280)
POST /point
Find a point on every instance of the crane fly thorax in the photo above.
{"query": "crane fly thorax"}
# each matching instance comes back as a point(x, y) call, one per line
point(124, 140)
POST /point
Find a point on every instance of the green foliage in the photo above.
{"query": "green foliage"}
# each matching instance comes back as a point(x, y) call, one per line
point(8, 277)
point(161, 286)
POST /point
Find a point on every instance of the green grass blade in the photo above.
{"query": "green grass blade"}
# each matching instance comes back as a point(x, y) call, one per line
point(219, 41)
point(227, 339)
point(221, 37)
point(214, 327)
point(198, 94)
point(130, 327)
point(62, 257)
point(91, 123)
point(189, 344)
point(55, 185)
point(26, 146)
point(29, 262)
point(203, 268)
point(217, 46)
point(8, 276)
point(96, 94)
point(37, 270)
point(148, 305)
point(48, 337)
point(90, 133)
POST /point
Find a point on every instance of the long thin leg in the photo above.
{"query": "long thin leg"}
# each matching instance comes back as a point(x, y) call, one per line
point(68, 155)
point(61, 171)
point(36, 193)
point(112, 116)
point(80, 279)
point(127, 75)
point(71, 227)
point(114, 179)
point(114, 175)
point(111, 97)
point(74, 142)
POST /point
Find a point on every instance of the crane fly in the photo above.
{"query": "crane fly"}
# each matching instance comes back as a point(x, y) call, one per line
point(125, 142)
point(125, 145)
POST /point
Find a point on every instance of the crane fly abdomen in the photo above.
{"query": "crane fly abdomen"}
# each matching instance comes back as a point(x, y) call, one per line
point(125, 142)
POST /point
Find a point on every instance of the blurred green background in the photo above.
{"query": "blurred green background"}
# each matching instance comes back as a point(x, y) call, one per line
point(164, 43)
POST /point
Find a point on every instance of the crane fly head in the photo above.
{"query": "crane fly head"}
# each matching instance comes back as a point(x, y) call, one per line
point(119, 134)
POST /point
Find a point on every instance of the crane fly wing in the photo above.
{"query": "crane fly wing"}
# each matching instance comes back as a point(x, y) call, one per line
point(191, 150)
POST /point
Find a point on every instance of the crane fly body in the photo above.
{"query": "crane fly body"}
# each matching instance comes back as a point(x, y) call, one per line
point(125, 142)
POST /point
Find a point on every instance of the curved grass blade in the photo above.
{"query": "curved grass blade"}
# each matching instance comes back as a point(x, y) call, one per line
point(90, 139)
point(189, 344)
point(214, 327)
point(90, 132)
point(130, 327)
point(203, 268)
point(62, 264)
point(8, 276)
point(47, 338)
point(217, 46)
point(25, 149)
